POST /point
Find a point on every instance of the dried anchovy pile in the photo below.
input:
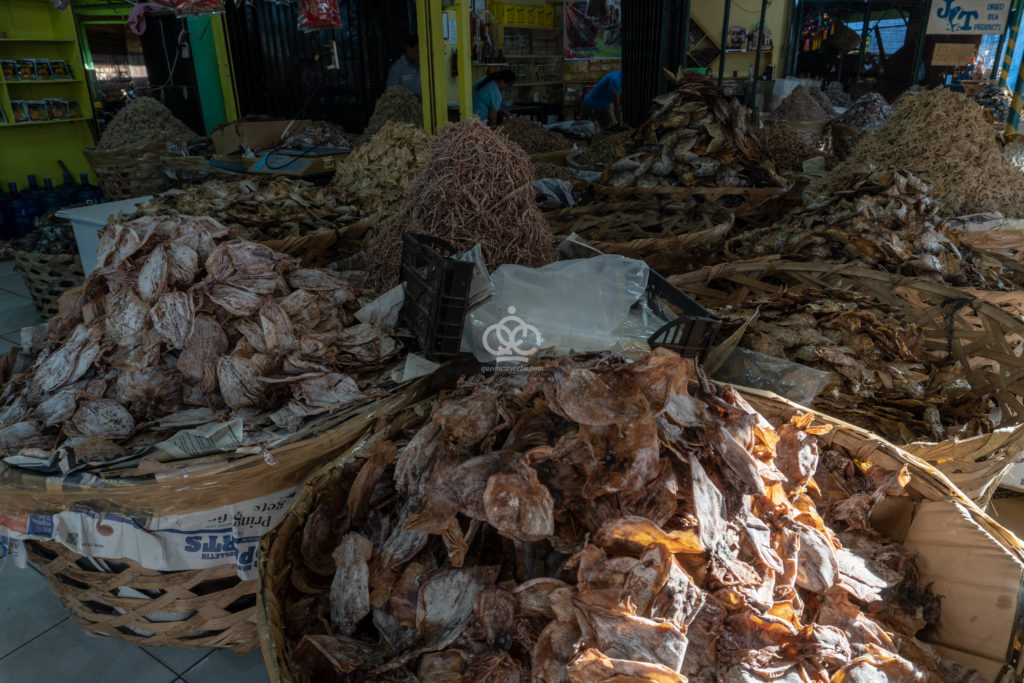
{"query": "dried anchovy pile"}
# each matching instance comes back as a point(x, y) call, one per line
point(145, 121)
point(179, 326)
point(799, 106)
point(946, 138)
point(997, 99)
point(695, 136)
point(477, 187)
point(377, 174)
point(396, 104)
point(54, 236)
point(836, 94)
point(822, 99)
point(322, 134)
point(882, 378)
point(533, 137)
point(257, 208)
point(787, 147)
point(602, 150)
point(868, 112)
point(606, 522)
point(544, 169)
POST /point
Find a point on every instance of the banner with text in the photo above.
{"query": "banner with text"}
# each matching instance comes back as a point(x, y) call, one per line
point(968, 17)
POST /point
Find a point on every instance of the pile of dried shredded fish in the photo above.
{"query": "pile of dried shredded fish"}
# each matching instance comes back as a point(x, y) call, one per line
point(886, 219)
point(788, 147)
point(477, 187)
point(181, 326)
point(377, 174)
point(799, 105)
point(867, 113)
point(545, 169)
point(822, 99)
point(882, 378)
point(257, 208)
point(948, 139)
point(145, 121)
point(396, 104)
point(533, 137)
point(322, 134)
point(603, 149)
point(696, 136)
point(606, 522)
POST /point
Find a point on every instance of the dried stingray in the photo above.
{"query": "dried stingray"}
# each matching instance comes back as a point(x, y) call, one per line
point(529, 560)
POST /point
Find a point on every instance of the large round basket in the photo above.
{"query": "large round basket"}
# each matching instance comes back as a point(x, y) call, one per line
point(321, 248)
point(48, 276)
point(129, 173)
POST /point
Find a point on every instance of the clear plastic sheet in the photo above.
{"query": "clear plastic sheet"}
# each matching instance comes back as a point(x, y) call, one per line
point(793, 381)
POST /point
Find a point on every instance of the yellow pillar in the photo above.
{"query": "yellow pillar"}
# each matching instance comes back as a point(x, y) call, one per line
point(227, 74)
point(430, 21)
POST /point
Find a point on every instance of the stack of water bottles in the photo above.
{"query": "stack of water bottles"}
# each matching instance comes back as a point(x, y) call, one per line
point(20, 211)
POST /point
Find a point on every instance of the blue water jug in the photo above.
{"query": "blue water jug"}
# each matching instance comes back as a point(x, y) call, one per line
point(88, 194)
point(21, 213)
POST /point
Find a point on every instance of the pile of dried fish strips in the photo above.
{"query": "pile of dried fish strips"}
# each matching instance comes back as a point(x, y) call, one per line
point(696, 136)
point(257, 208)
point(602, 521)
point(182, 325)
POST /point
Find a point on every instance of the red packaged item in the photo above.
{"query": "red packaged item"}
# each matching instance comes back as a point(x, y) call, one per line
point(190, 7)
point(315, 15)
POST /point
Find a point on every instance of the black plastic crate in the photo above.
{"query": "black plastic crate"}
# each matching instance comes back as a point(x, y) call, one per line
point(436, 293)
point(691, 335)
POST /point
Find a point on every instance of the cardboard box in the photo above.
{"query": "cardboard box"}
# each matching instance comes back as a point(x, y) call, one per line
point(290, 163)
point(253, 134)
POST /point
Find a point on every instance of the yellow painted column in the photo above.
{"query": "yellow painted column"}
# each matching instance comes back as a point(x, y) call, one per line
point(227, 74)
point(430, 21)
point(465, 46)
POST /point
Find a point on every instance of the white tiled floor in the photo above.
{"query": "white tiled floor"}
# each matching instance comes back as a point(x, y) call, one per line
point(39, 644)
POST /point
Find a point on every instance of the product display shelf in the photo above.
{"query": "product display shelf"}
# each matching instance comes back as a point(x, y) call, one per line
point(532, 88)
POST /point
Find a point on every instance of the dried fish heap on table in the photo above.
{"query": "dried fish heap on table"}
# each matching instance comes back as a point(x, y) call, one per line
point(822, 99)
point(696, 136)
point(534, 138)
point(145, 121)
point(257, 208)
point(799, 105)
point(607, 522)
point(545, 169)
point(836, 95)
point(398, 105)
point(867, 113)
point(477, 188)
point(885, 218)
point(377, 174)
point(602, 150)
point(788, 148)
point(322, 134)
point(182, 325)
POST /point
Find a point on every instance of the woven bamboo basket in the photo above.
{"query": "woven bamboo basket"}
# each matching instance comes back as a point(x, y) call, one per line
point(192, 169)
point(321, 248)
point(128, 173)
point(208, 607)
point(983, 337)
point(48, 276)
point(752, 204)
point(557, 158)
point(933, 501)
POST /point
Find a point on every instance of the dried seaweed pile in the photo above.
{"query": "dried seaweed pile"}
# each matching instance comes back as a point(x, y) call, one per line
point(377, 174)
point(545, 169)
point(822, 99)
point(799, 105)
point(882, 379)
point(602, 150)
point(396, 104)
point(606, 522)
point(787, 147)
point(836, 94)
point(145, 121)
point(180, 326)
point(886, 219)
point(533, 137)
point(867, 113)
point(997, 99)
point(257, 208)
point(477, 187)
point(695, 136)
point(946, 138)
point(322, 134)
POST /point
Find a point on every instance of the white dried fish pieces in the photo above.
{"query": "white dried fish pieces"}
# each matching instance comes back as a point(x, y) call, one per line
point(278, 333)
point(182, 263)
point(125, 324)
point(234, 300)
point(350, 589)
point(172, 318)
point(56, 409)
point(69, 362)
point(246, 265)
point(239, 380)
point(103, 417)
point(153, 275)
point(25, 434)
point(198, 359)
point(317, 280)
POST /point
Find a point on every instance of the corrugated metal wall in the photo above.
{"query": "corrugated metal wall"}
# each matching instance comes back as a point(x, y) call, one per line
point(281, 71)
point(651, 40)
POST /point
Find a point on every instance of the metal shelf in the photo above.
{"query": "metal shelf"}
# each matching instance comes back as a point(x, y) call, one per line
point(39, 123)
point(55, 81)
point(535, 83)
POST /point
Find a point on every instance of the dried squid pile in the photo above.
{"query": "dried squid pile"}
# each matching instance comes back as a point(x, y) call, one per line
point(182, 325)
point(257, 208)
point(882, 379)
point(606, 522)
point(696, 136)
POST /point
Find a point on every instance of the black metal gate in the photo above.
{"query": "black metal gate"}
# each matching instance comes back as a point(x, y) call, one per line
point(651, 41)
point(283, 72)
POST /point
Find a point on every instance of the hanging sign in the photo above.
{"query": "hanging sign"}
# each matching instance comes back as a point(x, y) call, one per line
point(968, 17)
point(952, 54)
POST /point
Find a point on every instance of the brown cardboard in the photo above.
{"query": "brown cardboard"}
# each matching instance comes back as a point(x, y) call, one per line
point(254, 134)
point(295, 166)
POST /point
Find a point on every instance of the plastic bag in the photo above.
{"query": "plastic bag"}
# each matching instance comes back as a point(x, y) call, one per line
point(192, 7)
point(315, 15)
point(552, 193)
point(796, 382)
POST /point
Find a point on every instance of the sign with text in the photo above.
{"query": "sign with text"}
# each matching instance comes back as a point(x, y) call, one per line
point(968, 17)
point(952, 54)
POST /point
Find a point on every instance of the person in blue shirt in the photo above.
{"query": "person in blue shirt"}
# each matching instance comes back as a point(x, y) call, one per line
point(603, 103)
point(488, 95)
point(405, 72)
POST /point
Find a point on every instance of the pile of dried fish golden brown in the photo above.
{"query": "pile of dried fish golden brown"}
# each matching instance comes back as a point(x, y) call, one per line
point(398, 105)
point(182, 325)
point(696, 136)
point(532, 137)
point(377, 174)
point(257, 208)
point(477, 188)
point(606, 522)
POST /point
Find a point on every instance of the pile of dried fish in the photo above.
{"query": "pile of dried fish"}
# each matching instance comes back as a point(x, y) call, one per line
point(836, 94)
point(948, 139)
point(606, 522)
point(377, 174)
point(477, 188)
point(257, 208)
point(145, 121)
point(867, 113)
point(53, 236)
point(398, 105)
point(182, 325)
point(882, 379)
point(545, 169)
point(997, 99)
point(788, 147)
point(884, 218)
point(695, 136)
point(602, 150)
point(625, 221)
point(822, 99)
point(799, 105)
point(322, 134)
point(533, 137)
